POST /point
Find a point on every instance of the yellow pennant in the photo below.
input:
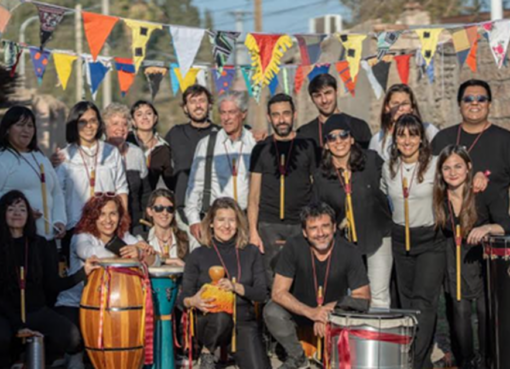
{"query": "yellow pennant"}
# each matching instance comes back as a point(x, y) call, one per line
point(353, 45)
point(141, 34)
point(429, 38)
point(187, 81)
point(64, 66)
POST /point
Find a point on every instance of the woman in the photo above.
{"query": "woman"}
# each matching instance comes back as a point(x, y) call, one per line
point(343, 157)
point(157, 151)
point(165, 237)
point(20, 246)
point(420, 263)
point(478, 215)
point(117, 117)
point(399, 100)
point(24, 167)
point(225, 243)
point(90, 165)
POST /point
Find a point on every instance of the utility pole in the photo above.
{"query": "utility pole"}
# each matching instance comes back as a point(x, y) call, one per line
point(257, 11)
point(239, 17)
point(79, 51)
point(260, 122)
point(107, 83)
point(496, 9)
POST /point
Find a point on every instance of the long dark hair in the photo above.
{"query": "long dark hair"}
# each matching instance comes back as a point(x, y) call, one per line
point(356, 163)
point(72, 134)
point(137, 105)
point(9, 276)
point(414, 124)
point(467, 215)
point(17, 114)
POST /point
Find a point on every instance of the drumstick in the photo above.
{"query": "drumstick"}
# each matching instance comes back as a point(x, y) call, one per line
point(350, 211)
point(22, 290)
point(145, 222)
point(234, 318)
point(319, 340)
point(458, 242)
point(282, 187)
point(44, 199)
point(234, 175)
point(406, 214)
point(92, 182)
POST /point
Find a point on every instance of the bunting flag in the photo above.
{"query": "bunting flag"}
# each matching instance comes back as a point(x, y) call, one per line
point(5, 16)
point(96, 71)
point(429, 38)
point(378, 90)
point(125, 74)
point(381, 72)
point(154, 75)
point(471, 58)
point(286, 79)
point(64, 67)
point(141, 32)
point(273, 85)
point(247, 72)
point(223, 79)
point(49, 17)
point(353, 45)
point(40, 60)
point(310, 48)
point(318, 69)
point(343, 70)
point(266, 52)
point(186, 44)
point(431, 71)
point(203, 77)
point(174, 81)
point(187, 81)
point(385, 41)
point(223, 43)
point(403, 66)
point(461, 44)
point(12, 56)
point(499, 35)
point(301, 72)
point(97, 29)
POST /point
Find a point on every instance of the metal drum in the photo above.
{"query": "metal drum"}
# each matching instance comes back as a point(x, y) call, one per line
point(497, 255)
point(165, 282)
point(371, 341)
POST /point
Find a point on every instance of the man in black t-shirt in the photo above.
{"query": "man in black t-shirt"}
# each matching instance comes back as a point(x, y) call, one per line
point(323, 92)
point(487, 144)
point(280, 183)
point(311, 262)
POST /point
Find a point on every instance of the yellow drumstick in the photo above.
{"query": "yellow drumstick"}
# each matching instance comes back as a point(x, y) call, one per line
point(234, 175)
point(22, 290)
point(282, 187)
point(406, 214)
point(234, 318)
point(44, 199)
point(350, 211)
point(319, 339)
point(458, 242)
point(92, 182)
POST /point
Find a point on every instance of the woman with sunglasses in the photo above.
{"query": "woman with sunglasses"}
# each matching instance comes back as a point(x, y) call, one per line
point(225, 243)
point(157, 152)
point(90, 165)
point(342, 159)
point(399, 100)
point(476, 216)
point(165, 237)
point(418, 247)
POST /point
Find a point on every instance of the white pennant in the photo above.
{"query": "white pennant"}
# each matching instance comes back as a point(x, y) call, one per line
point(499, 36)
point(106, 61)
point(186, 43)
point(378, 90)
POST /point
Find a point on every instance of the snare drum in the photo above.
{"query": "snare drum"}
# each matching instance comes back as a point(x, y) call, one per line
point(367, 341)
point(165, 282)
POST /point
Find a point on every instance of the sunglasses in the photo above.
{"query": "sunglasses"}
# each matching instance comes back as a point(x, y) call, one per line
point(468, 99)
point(332, 137)
point(160, 208)
point(104, 194)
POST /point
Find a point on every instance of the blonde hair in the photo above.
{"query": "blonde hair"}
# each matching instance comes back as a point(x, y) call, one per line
point(117, 109)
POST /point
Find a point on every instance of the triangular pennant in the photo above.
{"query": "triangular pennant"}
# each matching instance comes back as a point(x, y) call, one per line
point(64, 67)
point(471, 59)
point(310, 48)
point(186, 44)
point(187, 81)
point(428, 38)
point(247, 72)
point(266, 52)
point(385, 41)
point(286, 79)
point(430, 71)
point(499, 36)
point(378, 90)
point(5, 16)
point(353, 45)
point(273, 85)
point(223, 79)
point(461, 44)
point(11, 50)
point(203, 77)
point(49, 17)
point(125, 74)
point(141, 34)
point(40, 60)
point(343, 70)
point(96, 71)
point(154, 75)
point(472, 34)
point(301, 73)
point(403, 66)
point(97, 29)
point(381, 72)
point(318, 69)
point(174, 81)
point(223, 43)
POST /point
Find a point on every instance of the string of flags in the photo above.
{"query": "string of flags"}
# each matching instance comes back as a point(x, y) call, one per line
point(266, 52)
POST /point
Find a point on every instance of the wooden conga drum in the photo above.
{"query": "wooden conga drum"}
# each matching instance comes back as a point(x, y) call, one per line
point(112, 315)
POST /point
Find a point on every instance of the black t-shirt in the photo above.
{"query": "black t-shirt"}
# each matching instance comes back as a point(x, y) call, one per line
point(491, 152)
point(298, 184)
point(347, 271)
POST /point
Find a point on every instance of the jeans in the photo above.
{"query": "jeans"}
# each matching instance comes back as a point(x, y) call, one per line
point(379, 265)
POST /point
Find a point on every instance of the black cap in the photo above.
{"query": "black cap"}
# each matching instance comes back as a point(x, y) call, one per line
point(336, 121)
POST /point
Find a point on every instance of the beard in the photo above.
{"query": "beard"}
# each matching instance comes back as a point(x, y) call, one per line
point(199, 118)
point(283, 130)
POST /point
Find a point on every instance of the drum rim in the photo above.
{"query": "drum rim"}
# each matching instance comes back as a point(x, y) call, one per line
point(378, 315)
point(118, 262)
point(166, 270)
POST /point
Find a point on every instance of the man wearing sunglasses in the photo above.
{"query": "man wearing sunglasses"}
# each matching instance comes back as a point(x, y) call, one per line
point(487, 144)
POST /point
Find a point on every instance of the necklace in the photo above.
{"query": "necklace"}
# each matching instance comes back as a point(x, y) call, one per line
point(225, 266)
point(164, 244)
point(320, 296)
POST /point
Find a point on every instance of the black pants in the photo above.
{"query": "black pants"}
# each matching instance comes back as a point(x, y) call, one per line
point(60, 334)
point(420, 274)
point(215, 330)
point(66, 245)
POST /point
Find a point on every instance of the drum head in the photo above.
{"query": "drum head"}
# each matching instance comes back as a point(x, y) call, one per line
point(498, 241)
point(165, 271)
point(376, 320)
point(118, 263)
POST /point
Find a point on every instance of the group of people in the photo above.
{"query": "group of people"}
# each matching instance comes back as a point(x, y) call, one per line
point(300, 220)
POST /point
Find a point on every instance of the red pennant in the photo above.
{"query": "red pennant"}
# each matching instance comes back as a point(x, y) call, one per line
point(97, 29)
point(301, 73)
point(266, 44)
point(403, 67)
point(342, 68)
point(471, 58)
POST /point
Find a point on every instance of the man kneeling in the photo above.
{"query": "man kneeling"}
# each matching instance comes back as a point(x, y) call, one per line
point(314, 264)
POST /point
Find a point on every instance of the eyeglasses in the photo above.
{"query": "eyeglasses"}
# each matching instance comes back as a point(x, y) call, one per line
point(160, 208)
point(468, 99)
point(104, 194)
point(332, 137)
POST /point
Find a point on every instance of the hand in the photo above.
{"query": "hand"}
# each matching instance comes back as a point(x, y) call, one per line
point(226, 284)
point(91, 264)
point(25, 333)
point(321, 313)
point(60, 230)
point(145, 247)
point(198, 302)
point(257, 241)
point(37, 214)
point(477, 234)
point(175, 262)
point(319, 329)
point(480, 182)
point(130, 252)
point(196, 231)
point(259, 135)
point(57, 158)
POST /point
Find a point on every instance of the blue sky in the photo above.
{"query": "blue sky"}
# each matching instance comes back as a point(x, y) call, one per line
point(282, 16)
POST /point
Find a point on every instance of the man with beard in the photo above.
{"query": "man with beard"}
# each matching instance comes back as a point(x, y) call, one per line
point(280, 184)
point(323, 92)
point(312, 261)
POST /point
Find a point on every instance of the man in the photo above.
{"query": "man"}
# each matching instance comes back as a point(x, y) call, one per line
point(314, 260)
point(487, 144)
point(323, 92)
point(230, 153)
point(280, 184)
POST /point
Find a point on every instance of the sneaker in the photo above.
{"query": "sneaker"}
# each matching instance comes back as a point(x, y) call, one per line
point(75, 361)
point(207, 361)
point(295, 363)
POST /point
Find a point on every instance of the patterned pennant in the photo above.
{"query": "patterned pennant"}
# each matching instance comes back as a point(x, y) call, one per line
point(97, 29)
point(403, 65)
point(64, 67)
point(96, 71)
point(247, 73)
point(266, 52)
point(12, 55)
point(385, 41)
point(141, 34)
point(310, 48)
point(429, 38)
point(353, 45)
point(378, 90)
point(187, 81)
point(223, 43)
point(301, 73)
point(286, 79)
point(499, 35)
point(273, 85)
point(174, 81)
point(154, 75)
point(318, 69)
point(223, 79)
point(125, 74)
point(186, 44)
point(40, 60)
point(50, 17)
point(343, 70)
point(5, 16)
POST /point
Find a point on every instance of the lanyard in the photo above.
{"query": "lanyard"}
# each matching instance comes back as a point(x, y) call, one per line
point(224, 265)
point(406, 191)
point(234, 162)
point(37, 172)
point(459, 131)
point(320, 298)
point(283, 165)
point(23, 278)
point(458, 238)
point(92, 175)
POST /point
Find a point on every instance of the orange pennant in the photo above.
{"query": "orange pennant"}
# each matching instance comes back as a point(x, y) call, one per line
point(97, 29)
point(125, 73)
point(471, 58)
point(301, 73)
point(342, 68)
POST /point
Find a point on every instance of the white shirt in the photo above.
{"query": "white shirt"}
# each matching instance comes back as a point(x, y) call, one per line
point(222, 181)
point(74, 174)
point(154, 242)
point(17, 174)
point(376, 143)
point(135, 160)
